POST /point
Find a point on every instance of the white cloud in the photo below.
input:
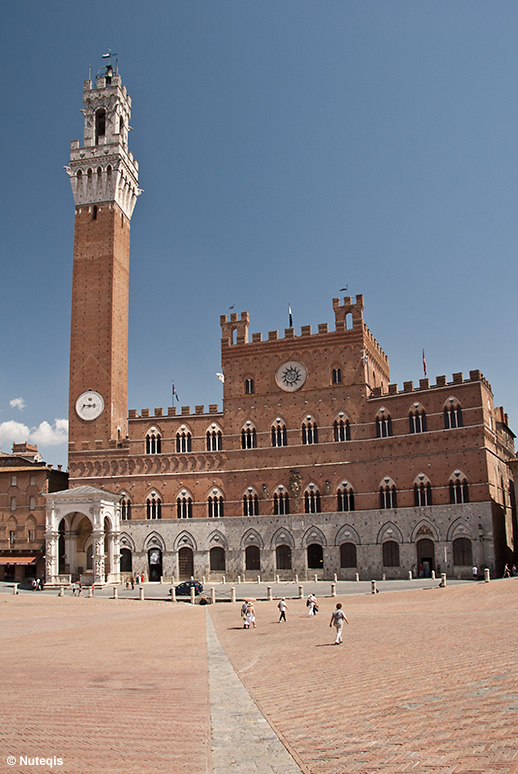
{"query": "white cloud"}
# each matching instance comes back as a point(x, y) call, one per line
point(42, 435)
point(18, 403)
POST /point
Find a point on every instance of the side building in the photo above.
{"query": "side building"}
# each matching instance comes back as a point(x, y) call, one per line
point(25, 479)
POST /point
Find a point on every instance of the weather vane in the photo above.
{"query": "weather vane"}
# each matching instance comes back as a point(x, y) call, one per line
point(107, 69)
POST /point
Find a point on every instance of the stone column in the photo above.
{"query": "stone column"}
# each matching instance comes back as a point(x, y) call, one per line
point(98, 565)
point(71, 551)
point(51, 556)
point(114, 558)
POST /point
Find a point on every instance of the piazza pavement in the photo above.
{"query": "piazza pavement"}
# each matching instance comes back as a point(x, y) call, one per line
point(426, 682)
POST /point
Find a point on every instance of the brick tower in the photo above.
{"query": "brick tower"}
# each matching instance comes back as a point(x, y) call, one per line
point(103, 175)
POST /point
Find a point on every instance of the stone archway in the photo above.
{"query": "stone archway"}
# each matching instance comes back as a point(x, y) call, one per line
point(89, 517)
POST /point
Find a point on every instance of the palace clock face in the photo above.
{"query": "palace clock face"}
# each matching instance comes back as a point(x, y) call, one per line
point(89, 405)
point(291, 376)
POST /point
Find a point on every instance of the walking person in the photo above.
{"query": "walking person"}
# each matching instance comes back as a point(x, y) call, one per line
point(337, 619)
point(312, 604)
point(282, 607)
point(250, 616)
point(244, 608)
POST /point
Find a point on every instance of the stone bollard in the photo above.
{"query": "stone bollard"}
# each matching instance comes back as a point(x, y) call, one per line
point(296, 578)
point(193, 595)
point(487, 575)
point(61, 592)
point(335, 577)
point(301, 592)
point(141, 592)
point(357, 579)
point(212, 595)
point(173, 594)
point(315, 578)
point(232, 594)
point(383, 577)
point(269, 596)
point(433, 574)
point(161, 579)
point(277, 579)
point(238, 579)
point(90, 592)
point(115, 592)
point(333, 589)
point(442, 584)
point(258, 579)
point(223, 579)
point(203, 580)
point(15, 589)
point(410, 576)
point(373, 587)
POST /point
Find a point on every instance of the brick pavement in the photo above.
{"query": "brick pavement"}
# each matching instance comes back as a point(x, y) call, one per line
point(110, 686)
point(426, 680)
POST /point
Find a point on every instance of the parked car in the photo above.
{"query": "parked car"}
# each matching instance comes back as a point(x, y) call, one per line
point(184, 589)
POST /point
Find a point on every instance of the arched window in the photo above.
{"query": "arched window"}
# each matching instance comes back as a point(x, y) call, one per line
point(94, 212)
point(336, 376)
point(250, 504)
point(315, 554)
point(126, 509)
point(312, 500)
point(215, 506)
point(390, 554)
point(126, 560)
point(345, 498)
point(383, 424)
point(459, 490)
point(462, 552)
point(422, 493)
point(100, 124)
point(417, 420)
point(217, 558)
point(342, 430)
point(153, 507)
point(281, 502)
point(214, 439)
point(279, 434)
point(283, 557)
point(248, 438)
point(249, 386)
point(183, 441)
point(348, 555)
point(388, 495)
point(252, 558)
point(309, 431)
point(153, 442)
point(184, 506)
point(452, 414)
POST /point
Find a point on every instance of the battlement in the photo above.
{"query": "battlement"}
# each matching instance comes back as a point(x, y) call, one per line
point(199, 410)
point(424, 384)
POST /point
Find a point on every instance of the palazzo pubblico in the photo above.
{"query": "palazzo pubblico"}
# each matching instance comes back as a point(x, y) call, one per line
point(316, 465)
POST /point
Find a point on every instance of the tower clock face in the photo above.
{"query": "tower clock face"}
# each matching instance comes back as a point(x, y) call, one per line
point(291, 376)
point(89, 405)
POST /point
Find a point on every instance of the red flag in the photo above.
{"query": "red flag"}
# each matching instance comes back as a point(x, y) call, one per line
point(424, 363)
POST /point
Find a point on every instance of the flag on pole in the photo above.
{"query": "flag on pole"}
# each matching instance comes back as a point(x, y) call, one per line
point(174, 393)
point(424, 363)
point(290, 317)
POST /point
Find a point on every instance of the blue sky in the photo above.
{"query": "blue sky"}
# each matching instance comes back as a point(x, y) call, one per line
point(287, 148)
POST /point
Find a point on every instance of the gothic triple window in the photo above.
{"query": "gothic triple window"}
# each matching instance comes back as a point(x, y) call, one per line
point(388, 495)
point(214, 439)
point(342, 430)
point(125, 509)
point(312, 502)
point(279, 434)
point(183, 441)
point(184, 506)
point(383, 424)
point(417, 419)
point(153, 442)
point(281, 502)
point(215, 506)
point(250, 504)
point(459, 490)
point(452, 414)
point(422, 494)
point(153, 506)
point(345, 498)
point(248, 437)
point(309, 431)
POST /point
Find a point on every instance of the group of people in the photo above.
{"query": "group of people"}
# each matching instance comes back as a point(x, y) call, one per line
point(134, 580)
point(338, 617)
point(37, 584)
